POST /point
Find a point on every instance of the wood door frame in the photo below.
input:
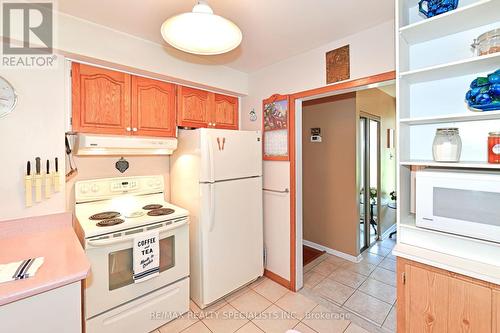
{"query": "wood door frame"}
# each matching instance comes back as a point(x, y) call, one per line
point(325, 90)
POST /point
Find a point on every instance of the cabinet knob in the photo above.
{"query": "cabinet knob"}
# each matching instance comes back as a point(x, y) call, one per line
point(134, 129)
point(128, 129)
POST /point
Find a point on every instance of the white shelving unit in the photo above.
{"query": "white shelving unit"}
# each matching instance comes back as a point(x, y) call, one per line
point(435, 65)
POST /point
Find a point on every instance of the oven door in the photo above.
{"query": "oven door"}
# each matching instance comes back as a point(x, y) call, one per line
point(111, 283)
point(460, 203)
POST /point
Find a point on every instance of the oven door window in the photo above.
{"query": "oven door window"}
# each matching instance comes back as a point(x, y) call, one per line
point(120, 263)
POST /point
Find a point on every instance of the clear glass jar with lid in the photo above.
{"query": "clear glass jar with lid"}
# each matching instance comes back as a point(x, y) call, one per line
point(447, 145)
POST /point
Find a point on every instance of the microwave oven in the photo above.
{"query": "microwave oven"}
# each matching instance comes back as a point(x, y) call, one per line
point(465, 203)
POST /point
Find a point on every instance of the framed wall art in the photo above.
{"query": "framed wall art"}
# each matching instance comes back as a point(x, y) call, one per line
point(275, 127)
point(338, 65)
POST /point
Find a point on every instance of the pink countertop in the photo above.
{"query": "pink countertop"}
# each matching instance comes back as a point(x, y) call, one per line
point(51, 237)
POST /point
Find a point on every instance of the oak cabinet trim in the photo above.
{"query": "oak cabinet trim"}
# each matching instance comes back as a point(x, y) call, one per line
point(231, 102)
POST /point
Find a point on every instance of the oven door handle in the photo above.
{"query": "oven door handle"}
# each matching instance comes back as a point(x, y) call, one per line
point(116, 240)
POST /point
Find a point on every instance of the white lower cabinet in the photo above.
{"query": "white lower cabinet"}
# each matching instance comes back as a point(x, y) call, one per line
point(57, 310)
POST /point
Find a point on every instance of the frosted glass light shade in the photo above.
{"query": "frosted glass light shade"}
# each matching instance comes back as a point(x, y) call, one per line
point(201, 32)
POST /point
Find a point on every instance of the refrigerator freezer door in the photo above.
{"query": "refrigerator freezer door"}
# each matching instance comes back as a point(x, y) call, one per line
point(231, 236)
point(230, 154)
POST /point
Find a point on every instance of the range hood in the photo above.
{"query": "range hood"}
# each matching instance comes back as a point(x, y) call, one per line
point(92, 144)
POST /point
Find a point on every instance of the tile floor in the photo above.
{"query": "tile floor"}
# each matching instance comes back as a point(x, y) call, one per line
point(338, 296)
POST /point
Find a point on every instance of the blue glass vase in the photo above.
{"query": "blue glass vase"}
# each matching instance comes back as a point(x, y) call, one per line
point(432, 8)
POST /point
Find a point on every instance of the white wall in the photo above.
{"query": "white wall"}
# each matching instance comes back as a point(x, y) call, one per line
point(37, 126)
point(371, 52)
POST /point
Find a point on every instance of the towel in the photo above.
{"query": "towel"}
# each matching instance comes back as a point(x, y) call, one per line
point(19, 270)
point(146, 256)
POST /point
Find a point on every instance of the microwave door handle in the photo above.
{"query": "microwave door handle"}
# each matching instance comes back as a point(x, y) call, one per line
point(212, 208)
point(117, 240)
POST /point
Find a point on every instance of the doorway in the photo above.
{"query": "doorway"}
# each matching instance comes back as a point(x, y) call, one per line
point(369, 180)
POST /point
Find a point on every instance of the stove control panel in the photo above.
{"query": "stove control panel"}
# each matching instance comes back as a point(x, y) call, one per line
point(98, 189)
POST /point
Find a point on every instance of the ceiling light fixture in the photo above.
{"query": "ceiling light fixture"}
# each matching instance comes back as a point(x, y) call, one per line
point(201, 31)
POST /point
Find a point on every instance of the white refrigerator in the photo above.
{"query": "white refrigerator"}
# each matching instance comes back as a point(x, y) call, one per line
point(217, 176)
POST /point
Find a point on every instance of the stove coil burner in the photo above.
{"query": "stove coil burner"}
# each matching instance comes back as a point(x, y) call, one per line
point(151, 207)
point(109, 222)
point(160, 212)
point(104, 216)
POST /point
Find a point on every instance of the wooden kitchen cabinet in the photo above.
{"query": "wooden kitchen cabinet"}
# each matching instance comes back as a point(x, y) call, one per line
point(194, 107)
point(111, 102)
point(435, 300)
point(198, 108)
point(153, 107)
point(496, 310)
point(100, 100)
point(225, 114)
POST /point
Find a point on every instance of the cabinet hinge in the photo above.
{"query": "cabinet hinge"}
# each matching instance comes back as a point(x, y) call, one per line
point(403, 278)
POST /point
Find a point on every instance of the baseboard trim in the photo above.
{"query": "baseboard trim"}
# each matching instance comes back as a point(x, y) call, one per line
point(278, 279)
point(332, 251)
point(389, 231)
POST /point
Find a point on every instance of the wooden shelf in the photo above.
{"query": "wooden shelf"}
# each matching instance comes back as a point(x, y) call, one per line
point(461, 164)
point(452, 118)
point(463, 18)
point(468, 66)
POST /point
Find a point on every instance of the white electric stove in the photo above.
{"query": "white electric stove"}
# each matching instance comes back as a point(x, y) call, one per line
point(111, 212)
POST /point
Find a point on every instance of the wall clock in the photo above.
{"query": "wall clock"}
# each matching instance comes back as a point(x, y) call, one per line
point(8, 97)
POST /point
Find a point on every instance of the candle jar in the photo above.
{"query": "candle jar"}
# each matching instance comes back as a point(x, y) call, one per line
point(494, 147)
point(447, 145)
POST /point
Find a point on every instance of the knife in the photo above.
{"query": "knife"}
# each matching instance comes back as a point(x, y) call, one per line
point(28, 186)
point(56, 176)
point(48, 181)
point(38, 181)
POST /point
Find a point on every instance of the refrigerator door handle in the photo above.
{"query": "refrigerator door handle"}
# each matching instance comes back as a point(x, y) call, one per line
point(212, 208)
point(210, 157)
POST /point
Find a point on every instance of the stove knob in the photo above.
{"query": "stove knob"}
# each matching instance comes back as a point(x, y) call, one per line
point(94, 188)
point(84, 189)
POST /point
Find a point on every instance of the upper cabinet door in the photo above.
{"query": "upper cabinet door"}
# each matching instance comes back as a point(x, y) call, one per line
point(193, 107)
point(153, 107)
point(101, 100)
point(226, 112)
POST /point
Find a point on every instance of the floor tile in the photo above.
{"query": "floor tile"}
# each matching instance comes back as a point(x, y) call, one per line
point(388, 264)
point(368, 307)
point(353, 328)
point(388, 243)
point(234, 295)
point(390, 321)
point(225, 320)
point(296, 304)
point(379, 250)
point(334, 291)
point(325, 267)
point(347, 277)
point(311, 279)
point(250, 328)
point(391, 256)
point(372, 258)
point(199, 327)
point(377, 289)
point(363, 267)
point(303, 328)
point(271, 290)
point(335, 260)
point(250, 304)
point(257, 282)
point(208, 310)
point(180, 323)
point(322, 320)
point(384, 275)
point(275, 320)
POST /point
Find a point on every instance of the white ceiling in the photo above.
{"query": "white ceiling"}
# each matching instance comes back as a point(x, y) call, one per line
point(273, 30)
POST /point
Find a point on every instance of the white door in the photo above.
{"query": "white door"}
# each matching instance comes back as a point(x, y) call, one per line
point(232, 236)
point(230, 154)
